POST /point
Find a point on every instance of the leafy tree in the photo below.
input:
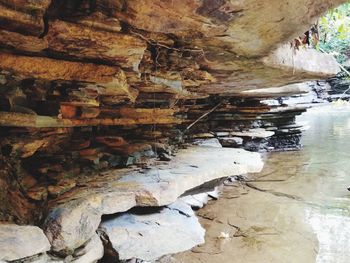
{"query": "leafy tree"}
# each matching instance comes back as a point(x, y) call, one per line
point(334, 32)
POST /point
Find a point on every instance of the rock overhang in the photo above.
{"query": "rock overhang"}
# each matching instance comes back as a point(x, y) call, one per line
point(88, 86)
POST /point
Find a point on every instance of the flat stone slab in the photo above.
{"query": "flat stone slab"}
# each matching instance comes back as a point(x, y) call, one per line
point(304, 60)
point(74, 217)
point(288, 90)
point(18, 242)
point(173, 229)
point(254, 133)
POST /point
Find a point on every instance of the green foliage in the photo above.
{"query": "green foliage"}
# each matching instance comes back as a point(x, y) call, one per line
point(334, 32)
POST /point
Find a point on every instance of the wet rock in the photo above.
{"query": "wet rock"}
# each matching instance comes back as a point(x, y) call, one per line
point(75, 216)
point(164, 157)
point(174, 228)
point(254, 133)
point(208, 142)
point(231, 141)
point(17, 242)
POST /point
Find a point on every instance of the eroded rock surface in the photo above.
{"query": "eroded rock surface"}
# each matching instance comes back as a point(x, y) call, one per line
point(89, 87)
point(75, 216)
point(95, 85)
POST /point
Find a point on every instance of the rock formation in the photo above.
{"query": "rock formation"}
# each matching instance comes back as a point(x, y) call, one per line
point(88, 87)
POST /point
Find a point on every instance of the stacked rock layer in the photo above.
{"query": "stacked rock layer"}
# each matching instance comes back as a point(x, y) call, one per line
point(90, 86)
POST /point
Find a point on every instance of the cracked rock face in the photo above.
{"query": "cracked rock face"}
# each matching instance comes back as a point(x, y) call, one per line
point(173, 229)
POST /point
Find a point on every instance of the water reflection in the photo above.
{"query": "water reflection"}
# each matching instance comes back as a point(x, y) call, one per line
point(297, 210)
point(331, 223)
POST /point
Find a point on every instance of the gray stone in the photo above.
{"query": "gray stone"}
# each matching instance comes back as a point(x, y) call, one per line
point(75, 217)
point(175, 228)
point(18, 242)
point(304, 60)
point(254, 133)
point(196, 201)
point(208, 142)
point(91, 252)
point(231, 141)
point(288, 90)
point(44, 258)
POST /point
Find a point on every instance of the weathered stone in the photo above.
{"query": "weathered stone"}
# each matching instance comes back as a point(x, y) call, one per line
point(90, 113)
point(22, 42)
point(282, 67)
point(50, 69)
point(100, 21)
point(37, 193)
point(147, 236)
point(208, 142)
point(35, 121)
point(231, 141)
point(28, 5)
point(248, 28)
point(288, 90)
point(255, 133)
point(154, 72)
point(74, 217)
point(90, 252)
point(62, 187)
point(22, 22)
point(17, 242)
point(80, 41)
point(303, 61)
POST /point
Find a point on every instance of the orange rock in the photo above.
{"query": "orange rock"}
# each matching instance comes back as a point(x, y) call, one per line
point(89, 113)
point(89, 152)
point(112, 141)
point(68, 111)
point(37, 193)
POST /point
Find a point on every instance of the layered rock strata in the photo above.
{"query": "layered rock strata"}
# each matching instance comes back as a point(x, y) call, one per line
point(90, 86)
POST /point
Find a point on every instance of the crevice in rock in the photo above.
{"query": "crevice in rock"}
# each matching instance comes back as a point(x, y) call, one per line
point(279, 194)
point(110, 254)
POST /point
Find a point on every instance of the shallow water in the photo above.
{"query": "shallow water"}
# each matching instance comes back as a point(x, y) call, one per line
point(296, 210)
